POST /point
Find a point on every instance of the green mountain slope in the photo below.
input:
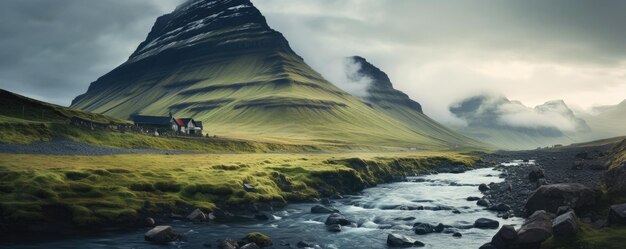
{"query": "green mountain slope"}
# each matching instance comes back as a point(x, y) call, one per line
point(384, 98)
point(221, 63)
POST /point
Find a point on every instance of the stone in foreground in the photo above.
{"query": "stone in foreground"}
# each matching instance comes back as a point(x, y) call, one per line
point(551, 197)
point(337, 218)
point(486, 223)
point(536, 229)
point(617, 214)
point(197, 215)
point(505, 237)
point(565, 224)
point(161, 235)
point(398, 240)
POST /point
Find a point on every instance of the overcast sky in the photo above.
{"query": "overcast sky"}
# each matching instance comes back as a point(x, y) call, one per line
point(436, 51)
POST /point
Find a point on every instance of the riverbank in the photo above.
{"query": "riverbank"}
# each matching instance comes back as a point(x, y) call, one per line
point(59, 195)
point(374, 213)
point(589, 165)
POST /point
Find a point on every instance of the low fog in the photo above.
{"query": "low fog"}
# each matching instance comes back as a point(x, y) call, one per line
point(498, 111)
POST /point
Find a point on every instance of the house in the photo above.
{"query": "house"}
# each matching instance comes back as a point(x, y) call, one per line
point(163, 124)
point(187, 126)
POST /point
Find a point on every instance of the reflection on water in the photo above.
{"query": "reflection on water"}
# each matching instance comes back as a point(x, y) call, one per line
point(376, 212)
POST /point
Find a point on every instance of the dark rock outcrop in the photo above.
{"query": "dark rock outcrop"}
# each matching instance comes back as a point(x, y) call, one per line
point(506, 237)
point(337, 218)
point(565, 224)
point(551, 197)
point(398, 240)
point(536, 229)
point(617, 214)
point(161, 234)
point(486, 223)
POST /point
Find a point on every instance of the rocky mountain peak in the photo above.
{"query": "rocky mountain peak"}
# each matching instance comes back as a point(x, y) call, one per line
point(224, 23)
point(380, 91)
point(379, 78)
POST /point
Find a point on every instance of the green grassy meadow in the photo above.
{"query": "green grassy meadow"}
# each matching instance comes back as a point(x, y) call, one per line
point(111, 189)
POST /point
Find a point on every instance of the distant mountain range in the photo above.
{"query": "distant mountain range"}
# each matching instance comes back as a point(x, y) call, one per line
point(512, 125)
point(219, 62)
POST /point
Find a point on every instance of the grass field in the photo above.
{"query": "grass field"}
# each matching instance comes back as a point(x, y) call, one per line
point(109, 189)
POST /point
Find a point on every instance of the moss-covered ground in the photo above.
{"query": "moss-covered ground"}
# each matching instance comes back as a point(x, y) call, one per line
point(112, 189)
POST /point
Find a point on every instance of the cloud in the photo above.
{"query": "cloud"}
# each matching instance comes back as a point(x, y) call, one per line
point(437, 51)
point(553, 118)
point(52, 50)
point(344, 73)
point(441, 51)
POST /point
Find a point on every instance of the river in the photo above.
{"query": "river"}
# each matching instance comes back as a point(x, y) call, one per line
point(376, 211)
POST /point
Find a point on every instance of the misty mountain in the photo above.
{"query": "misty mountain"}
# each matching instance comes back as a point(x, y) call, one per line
point(607, 121)
point(220, 62)
point(382, 96)
point(512, 125)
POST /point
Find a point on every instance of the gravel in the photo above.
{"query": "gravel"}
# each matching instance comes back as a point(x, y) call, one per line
point(557, 165)
point(62, 146)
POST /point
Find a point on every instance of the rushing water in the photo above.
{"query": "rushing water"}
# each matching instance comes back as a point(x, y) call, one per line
point(376, 211)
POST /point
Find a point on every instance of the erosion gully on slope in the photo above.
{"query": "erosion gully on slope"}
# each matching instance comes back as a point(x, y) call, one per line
point(376, 212)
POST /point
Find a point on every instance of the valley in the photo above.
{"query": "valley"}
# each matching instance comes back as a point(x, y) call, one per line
point(216, 133)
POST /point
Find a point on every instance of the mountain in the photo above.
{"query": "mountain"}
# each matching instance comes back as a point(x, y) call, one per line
point(607, 121)
point(512, 125)
point(384, 98)
point(560, 108)
point(219, 62)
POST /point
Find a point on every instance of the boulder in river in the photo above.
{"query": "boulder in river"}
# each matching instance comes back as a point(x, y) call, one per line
point(250, 246)
point(398, 240)
point(439, 228)
point(335, 228)
point(161, 234)
point(551, 197)
point(423, 228)
point(486, 223)
point(536, 229)
point(472, 198)
point(259, 239)
point(565, 224)
point(617, 214)
point(197, 215)
point(337, 218)
point(227, 244)
point(483, 203)
point(318, 209)
point(483, 187)
point(305, 244)
point(457, 235)
point(505, 237)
